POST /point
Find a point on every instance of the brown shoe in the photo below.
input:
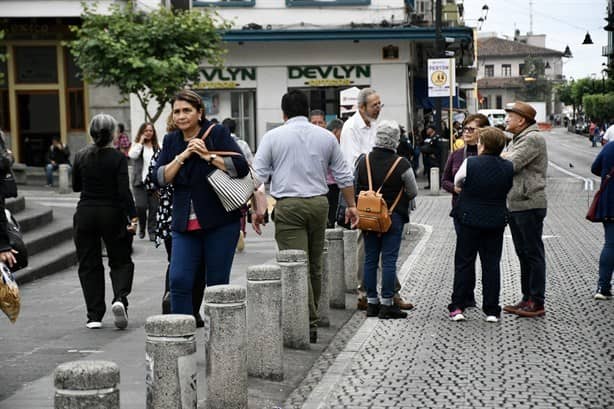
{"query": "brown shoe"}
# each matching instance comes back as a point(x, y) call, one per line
point(402, 304)
point(512, 309)
point(362, 303)
point(531, 310)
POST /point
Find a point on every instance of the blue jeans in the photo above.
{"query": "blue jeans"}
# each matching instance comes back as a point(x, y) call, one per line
point(606, 260)
point(50, 168)
point(388, 245)
point(527, 227)
point(213, 248)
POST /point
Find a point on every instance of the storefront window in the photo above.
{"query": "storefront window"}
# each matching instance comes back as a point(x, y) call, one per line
point(242, 108)
point(5, 123)
point(74, 93)
point(236, 104)
point(324, 99)
point(224, 3)
point(326, 3)
point(36, 65)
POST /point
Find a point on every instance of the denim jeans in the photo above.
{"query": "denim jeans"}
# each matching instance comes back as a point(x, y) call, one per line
point(213, 248)
point(388, 245)
point(50, 168)
point(606, 260)
point(527, 227)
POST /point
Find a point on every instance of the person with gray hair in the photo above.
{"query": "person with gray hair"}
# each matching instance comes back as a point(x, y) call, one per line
point(105, 212)
point(397, 189)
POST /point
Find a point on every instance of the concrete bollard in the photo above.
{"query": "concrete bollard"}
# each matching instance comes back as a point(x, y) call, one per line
point(265, 336)
point(64, 180)
point(350, 259)
point(324, 304)
point(86, 385)
point(170, 356)
point(434, 181)
point(295, 291)
point(336, 268)
point(226, 347)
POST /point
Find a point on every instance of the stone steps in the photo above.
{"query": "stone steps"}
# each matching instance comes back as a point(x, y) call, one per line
point(47, 238)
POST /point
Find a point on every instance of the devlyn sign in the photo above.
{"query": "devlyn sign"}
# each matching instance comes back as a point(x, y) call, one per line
point(227, 78)
point(329, 75)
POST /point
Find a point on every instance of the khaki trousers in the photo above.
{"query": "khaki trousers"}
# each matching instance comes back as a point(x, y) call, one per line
point(300, 224)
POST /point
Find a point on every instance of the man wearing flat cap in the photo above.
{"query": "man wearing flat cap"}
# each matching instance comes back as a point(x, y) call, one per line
point(527, 204)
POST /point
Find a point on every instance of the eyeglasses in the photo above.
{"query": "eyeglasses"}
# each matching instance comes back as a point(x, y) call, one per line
point(468, 129)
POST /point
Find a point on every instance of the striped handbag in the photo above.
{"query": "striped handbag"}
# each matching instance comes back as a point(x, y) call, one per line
point(232, 192)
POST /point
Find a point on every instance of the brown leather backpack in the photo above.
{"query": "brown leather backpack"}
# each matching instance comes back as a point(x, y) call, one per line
point(372, 208)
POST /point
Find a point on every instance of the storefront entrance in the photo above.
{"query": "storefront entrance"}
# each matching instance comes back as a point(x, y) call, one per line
point(38, 119)
point(324, 99)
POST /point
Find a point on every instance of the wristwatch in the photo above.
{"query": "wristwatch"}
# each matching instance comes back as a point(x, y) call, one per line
point(211, 157)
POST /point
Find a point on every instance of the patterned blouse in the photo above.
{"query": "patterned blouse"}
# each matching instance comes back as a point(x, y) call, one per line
point(164, 213)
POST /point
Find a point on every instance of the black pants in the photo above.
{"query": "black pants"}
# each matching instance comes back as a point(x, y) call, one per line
point(198, 291)
point(469, 276)
point(146, 208)
point(333, 203)
point(527, 228)
point(91, 225)
point(470, 242)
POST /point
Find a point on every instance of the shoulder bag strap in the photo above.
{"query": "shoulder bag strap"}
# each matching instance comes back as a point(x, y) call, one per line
point(369, 172)
point(392, 168)
point(221, 153)
point(606, 180)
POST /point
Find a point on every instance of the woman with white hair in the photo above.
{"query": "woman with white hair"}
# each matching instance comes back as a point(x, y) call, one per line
point(105, 212)
point(397, 189)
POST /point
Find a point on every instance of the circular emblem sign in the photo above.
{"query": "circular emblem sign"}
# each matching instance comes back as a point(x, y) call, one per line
point(439, 78)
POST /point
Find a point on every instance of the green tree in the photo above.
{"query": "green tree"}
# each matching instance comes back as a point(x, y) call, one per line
point(2, 56)
point(151, 55)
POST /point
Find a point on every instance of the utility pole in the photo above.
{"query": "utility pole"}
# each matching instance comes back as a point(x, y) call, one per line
point(439, 47)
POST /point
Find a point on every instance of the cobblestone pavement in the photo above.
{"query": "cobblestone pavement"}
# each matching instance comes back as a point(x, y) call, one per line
point(563, 360)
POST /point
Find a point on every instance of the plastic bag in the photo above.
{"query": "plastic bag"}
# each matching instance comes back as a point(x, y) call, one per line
point(10, 300)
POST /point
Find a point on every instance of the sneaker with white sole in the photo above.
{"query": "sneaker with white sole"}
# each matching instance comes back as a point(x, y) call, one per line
point(603, 295)
point(94, 324)
point(457, 315)
point(119, 315)
point(492, 318)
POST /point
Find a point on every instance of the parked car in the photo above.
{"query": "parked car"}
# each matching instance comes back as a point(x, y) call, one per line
point(581, 128)
point(496, 117)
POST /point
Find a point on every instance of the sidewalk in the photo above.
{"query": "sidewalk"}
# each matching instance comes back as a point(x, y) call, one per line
point(563, 360)
point(51, 329)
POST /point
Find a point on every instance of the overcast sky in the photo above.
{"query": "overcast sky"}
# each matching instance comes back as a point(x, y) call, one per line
point(565, 22)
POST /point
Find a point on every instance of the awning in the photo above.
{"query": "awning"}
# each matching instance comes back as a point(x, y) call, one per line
point(338, 34)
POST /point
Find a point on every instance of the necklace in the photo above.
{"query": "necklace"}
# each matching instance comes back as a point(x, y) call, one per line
point(191, 137)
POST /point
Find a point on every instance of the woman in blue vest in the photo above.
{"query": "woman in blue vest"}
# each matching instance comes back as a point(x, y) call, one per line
point(203, 232)
point(602, 166)
point(482, 182)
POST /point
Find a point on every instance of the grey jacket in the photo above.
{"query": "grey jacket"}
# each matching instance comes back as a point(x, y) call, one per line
point(528, 153)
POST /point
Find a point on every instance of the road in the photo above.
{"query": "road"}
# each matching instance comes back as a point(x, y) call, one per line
point(570, 154)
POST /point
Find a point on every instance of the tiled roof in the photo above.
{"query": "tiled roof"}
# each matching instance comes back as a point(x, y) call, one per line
point(498, 47)
point(507, 82)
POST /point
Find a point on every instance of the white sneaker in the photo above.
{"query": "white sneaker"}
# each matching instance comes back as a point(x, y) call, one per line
point(602, 297)
point(492, 318)
point(457, 315)
point(94, 324)
point(119, 315)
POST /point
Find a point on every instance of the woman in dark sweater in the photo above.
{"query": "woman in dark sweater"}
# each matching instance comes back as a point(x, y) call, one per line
point(397, 191)
point(602, 166)
point(483, 182)
point(470, 128)
point(203, 231)
point(105, 211)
